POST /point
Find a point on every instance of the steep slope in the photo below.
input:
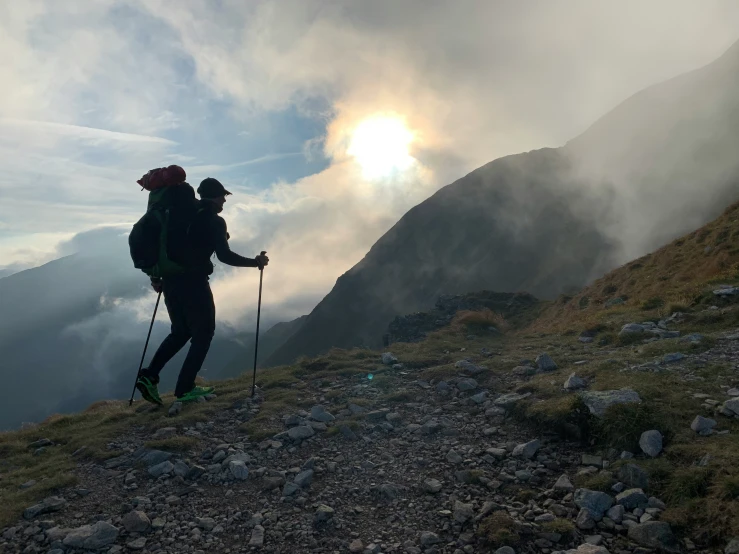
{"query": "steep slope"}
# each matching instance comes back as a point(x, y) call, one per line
point(548, 221)
point(681, 274)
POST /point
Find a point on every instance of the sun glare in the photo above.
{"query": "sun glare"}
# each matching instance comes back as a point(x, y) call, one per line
point(380, 146)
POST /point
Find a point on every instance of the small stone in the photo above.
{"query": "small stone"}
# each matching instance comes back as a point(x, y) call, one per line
point(162, 468)
point(466, 384)
point(673, 358)
point(732, 547)
point(356, 546)
point(703, 425)
point(616, 513)
point(453, 457)
point(574, 382)
point(257, 536)
point(545, 363)
point(238, 469)
point(136, 522)
point(527, 450)
point(633, 476)
point(651, 443)
point(181, 469)
point(301, 432)
point(585, 520)
point(175, 409)
point(590, 460)
point(564, 484)
point(290, 489)
point(505, 550)
point(323, 514)
point(462, 512)
point(137, 544)
point(318, 413)
point(632, 498)
point(431, 486)
point(347, 433)
point(428, 538)
point(304, 478)
point(389, 359)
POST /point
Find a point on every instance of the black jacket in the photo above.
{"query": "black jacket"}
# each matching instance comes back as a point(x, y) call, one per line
point(208, 235)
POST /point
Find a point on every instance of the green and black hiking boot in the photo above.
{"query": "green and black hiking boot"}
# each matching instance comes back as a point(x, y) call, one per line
point(195, 393)
point(148, 390)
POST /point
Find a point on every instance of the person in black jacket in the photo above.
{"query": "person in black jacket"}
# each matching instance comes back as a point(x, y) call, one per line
point(189, 299)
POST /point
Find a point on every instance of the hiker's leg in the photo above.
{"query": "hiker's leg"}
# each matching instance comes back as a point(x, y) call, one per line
point(179, 333)
point(201, 318)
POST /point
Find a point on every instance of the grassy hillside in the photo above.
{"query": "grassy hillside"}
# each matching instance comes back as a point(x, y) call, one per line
point(679, 275)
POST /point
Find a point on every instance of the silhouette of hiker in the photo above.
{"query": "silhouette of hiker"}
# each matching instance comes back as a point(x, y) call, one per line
point(189, 299)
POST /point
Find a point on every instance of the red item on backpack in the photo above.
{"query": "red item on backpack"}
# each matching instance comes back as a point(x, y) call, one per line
point(162, 177)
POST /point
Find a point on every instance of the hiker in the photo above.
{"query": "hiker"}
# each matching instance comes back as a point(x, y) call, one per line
point(189, 299)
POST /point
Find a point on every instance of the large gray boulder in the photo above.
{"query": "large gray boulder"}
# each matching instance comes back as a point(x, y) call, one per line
point(48, 505)
point(92, 537)
point(654, 534)
point(651, 443)
point(633, 476)
point(136, 522)
point(599, 401)
point(595, 502)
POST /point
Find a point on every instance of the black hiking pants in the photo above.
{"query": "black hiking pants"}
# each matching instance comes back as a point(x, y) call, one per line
point(192, 312)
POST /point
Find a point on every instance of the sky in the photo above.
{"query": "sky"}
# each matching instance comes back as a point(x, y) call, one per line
point(328, 120)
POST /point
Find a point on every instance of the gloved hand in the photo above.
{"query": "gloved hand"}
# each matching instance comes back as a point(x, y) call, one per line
point(262, 260)
point(156, 284)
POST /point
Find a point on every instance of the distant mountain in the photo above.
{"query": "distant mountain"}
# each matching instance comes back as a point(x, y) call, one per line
point(548, 221)
point(269, 341)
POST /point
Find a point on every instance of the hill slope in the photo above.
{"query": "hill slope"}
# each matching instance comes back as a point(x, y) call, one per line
point(548, 221)
point(677, 276)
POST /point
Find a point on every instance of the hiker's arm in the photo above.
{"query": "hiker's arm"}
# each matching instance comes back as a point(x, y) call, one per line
point(223, 250)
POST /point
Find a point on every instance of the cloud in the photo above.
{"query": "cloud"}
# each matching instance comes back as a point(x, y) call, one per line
point(67, 131)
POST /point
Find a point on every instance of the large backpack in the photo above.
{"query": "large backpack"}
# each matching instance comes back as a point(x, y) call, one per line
point(158, 241)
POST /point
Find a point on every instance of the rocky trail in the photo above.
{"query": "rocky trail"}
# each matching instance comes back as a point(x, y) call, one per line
point(448, 471)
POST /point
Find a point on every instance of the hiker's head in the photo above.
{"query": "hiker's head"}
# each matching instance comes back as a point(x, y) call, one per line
point(213, 191)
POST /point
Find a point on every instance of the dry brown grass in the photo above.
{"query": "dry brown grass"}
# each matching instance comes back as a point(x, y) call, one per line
point(677, 275)
point(480, 320)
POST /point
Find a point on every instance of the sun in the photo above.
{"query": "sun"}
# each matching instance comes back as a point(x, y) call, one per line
point(380, 146)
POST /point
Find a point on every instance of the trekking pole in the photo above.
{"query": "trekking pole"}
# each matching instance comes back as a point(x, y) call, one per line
point(256, 341)
point(141, 364)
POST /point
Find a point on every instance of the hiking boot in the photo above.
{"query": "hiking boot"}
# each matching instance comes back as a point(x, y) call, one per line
point(195, 393)
point(148, 390)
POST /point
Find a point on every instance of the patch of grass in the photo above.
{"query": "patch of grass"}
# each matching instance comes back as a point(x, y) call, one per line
point(499, 529)
point(687, 483)
point(652, 303)
point(174, 444)
point(479, 321)
point(623, 424)
point(524, 495)
point(559, 525)
point(401, 396)
point(729, 487)
point(601, 481)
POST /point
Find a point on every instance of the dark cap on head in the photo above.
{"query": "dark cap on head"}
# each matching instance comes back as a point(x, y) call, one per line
point(211, 188)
